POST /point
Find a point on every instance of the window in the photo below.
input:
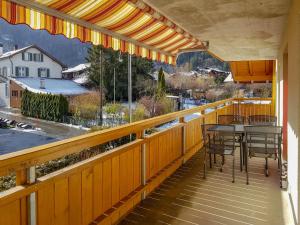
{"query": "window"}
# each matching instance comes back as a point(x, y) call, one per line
point(14, 93)
point(38, 57)
point(22, 71)
point(27, 56)
point(43, 72)
point(4, 71)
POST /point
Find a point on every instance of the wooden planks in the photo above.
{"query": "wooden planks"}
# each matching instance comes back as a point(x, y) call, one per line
point(162, 149)
point(84, 195)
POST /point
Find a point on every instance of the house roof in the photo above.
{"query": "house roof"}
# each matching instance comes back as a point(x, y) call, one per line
point(77, 68)
point(52, 86)
point(228, 78)
point(18, 51)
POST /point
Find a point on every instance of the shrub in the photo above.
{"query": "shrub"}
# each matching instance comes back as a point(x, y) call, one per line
point(85, 106)
point(44, 106)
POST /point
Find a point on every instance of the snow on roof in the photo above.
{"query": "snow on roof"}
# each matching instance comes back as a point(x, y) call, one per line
point(7, 54)
point(82, 79)
point(228, 78)
point(52, 86)
point(77, 68)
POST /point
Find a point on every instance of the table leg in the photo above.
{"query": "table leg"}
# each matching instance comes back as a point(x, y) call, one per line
point(241, 154)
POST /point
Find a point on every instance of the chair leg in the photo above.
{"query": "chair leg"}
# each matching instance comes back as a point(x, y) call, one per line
point(246, 167)
point(215, 159)
point(210, 164)
point(204, 166)
point(233, 167)
point(241, 158)
point(266, 168)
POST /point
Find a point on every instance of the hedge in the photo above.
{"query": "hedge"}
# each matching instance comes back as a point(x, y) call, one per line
point(44, 106)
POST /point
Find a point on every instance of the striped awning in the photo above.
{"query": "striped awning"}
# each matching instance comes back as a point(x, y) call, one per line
point(125, 25)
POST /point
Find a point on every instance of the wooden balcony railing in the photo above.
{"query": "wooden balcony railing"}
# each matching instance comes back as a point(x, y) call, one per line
point(103, 188)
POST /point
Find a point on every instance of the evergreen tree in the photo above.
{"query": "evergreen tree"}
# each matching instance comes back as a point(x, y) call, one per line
point(114, 59)
point(161, 83)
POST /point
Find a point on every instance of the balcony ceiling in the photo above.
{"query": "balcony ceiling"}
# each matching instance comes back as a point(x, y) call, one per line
point(236, 29)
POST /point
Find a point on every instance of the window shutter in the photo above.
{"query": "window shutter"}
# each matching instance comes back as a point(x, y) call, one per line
point(48, 73)
point(23, 56)
point(27, 72)
point(42, 57)
point(39, 72)
point(17, 71)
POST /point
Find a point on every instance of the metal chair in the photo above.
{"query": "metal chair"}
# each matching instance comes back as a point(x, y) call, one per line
point(234, 119)
point(231, 119)
point(219, 140)
point(262, 120)
point(263, 142)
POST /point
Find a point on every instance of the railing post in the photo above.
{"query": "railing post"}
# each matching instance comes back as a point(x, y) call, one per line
point(31, 178)
point(141, 135)
point(28, 176)
point(181, 120)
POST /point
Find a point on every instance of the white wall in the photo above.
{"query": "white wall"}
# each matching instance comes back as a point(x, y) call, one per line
point(291, 42)
point(55, 68)
point(4, 99)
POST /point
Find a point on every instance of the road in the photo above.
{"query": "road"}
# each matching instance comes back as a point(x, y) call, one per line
point(17, 139)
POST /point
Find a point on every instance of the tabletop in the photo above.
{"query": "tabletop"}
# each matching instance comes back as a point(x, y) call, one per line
point(241, 129)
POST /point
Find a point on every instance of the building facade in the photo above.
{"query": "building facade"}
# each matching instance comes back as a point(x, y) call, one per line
point(28, 62)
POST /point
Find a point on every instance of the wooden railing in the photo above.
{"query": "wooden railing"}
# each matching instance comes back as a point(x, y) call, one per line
point(104, 188)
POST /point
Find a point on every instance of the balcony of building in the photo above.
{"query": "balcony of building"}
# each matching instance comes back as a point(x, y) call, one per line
point(134, 183)
point(156, 178)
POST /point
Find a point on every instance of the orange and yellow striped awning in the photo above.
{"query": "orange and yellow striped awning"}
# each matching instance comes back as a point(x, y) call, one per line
point(125, 25)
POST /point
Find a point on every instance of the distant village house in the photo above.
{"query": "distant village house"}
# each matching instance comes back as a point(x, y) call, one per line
point(34, 69)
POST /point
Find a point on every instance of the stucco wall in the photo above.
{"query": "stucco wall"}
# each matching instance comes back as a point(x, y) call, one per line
point(4, 99)
point(55, 68)
point(291, 45)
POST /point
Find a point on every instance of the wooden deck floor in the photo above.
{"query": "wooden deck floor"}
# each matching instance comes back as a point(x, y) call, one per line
point(185, 198)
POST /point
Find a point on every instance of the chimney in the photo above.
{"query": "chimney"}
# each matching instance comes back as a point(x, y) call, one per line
point(16, 47)
point(42, 83)
point(1, 49)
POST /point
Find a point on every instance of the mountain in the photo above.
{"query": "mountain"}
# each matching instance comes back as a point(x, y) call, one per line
point(69, 51)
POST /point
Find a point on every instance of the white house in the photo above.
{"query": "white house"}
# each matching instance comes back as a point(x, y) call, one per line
point(34, 69)
point(78, 74)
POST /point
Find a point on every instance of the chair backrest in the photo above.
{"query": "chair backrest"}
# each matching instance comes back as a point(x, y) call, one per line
point(263, 141)
point(262, 120)
point(231, 119)
point(218, 134)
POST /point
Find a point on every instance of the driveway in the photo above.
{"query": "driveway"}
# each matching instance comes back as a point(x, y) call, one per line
point(51, 129)
point(47, 131)
point(12, 140)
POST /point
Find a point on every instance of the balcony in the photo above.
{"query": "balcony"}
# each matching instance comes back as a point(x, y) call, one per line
point(162, 168)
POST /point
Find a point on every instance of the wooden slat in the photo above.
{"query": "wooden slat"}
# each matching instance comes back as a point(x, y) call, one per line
point(97, 190)
point(45, 205)
point(107, 185)
point(115, 180)
point(75, 213)
point(10, 214)
point(61, 202)
point(87, 196)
